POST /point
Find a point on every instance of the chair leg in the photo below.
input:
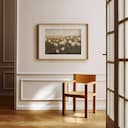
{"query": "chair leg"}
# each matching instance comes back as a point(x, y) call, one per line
point(86, 102)
point(63, 99)
point(74, 104)
point(63, 105)
point(94, 104)
point(74, 99)
point(94, 98)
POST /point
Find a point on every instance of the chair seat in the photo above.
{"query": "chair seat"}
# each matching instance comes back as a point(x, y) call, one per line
point(78, 94)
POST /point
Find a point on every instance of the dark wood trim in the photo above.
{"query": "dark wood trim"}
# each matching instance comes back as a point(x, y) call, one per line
point(126, 99)
point(111, 32)
point(123, 97)
point(123, 59)
point(123, 20)
point(110, 122)
point(15, 53)
point(116, 65)
point(37, 55)
point(104, 54)
point(94, 98)
point(7, 67)
point(108, 89)
point(78, 96)
point(111, 62)
point(63, 99)
point(4, 60)
point(86, 101)
point(74, 98)
point(108, 1)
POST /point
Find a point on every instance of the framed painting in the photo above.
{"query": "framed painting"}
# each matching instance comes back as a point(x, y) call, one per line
point(62, 41)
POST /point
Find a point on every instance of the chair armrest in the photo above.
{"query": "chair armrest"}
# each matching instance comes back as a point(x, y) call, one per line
point(94, 82)
point(74, 81)
point(69, 82)
point(66, 84)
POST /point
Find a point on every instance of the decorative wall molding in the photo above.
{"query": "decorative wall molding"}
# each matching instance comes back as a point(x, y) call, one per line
point(7, 67)
point(4, 80)
point(4, 60)
point(3, 57)
point(43, 74)
point(6, 94)
point(22, 86)
point(100, 77)
point(53, 73)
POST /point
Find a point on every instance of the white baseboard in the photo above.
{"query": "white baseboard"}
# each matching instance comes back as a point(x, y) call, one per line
point(100, 105)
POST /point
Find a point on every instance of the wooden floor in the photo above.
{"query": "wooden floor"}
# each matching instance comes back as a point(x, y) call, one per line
point(50, 119)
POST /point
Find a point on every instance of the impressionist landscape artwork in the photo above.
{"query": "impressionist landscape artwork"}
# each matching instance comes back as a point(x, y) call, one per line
point(62, 41)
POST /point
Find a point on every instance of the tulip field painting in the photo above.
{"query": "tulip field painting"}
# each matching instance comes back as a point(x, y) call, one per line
point(62, 41)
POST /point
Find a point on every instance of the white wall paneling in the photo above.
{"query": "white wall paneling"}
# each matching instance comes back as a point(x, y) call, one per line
point(35, 76)
point(41, 89)
point(38, 91)
point(31, 13)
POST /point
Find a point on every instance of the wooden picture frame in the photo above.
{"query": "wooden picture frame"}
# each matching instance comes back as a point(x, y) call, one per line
point(62, 41)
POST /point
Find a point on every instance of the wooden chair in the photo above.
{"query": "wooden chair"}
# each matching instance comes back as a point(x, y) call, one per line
point(86, 80)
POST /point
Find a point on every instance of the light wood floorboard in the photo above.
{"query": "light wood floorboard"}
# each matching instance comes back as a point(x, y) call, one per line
point(50, 119)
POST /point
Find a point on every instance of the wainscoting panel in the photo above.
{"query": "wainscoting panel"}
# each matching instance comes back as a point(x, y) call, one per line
point(44, 92)
point(41, 90)
point(8, 82)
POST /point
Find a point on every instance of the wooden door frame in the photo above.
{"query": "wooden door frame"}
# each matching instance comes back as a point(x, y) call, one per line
point(109, 122)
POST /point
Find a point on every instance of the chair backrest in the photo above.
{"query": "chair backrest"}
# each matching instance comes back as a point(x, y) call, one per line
point(84, 78)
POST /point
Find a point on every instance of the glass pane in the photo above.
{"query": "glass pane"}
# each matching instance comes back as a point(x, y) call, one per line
point(108, 47)
point(111, 105)
point(121, 78)
point(121, 41)
point(126, 80)
point(126, 114)
point(111, 76)
point(108, 18)
point(111, 14)
point(108, 86)
point(126, 8)
point(121, 113)
point(108, 103)
point(111, 48)
point(121, 9)
point(126, 39)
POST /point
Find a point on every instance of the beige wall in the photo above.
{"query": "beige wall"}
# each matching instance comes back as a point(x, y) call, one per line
point(33, 74)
